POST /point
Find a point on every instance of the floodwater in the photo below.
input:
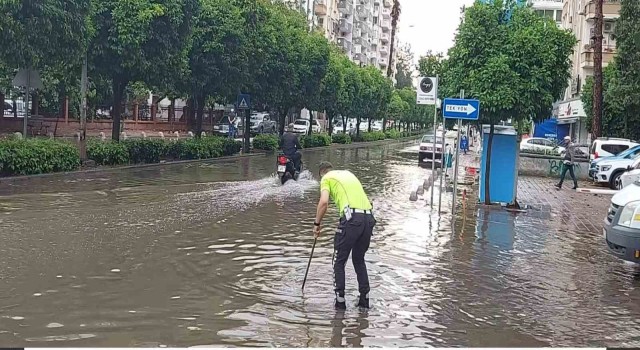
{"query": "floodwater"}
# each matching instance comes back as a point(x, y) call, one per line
point(214, 254)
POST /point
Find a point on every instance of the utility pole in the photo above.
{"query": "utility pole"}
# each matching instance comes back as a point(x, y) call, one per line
point(83, 111)
point(596, 127)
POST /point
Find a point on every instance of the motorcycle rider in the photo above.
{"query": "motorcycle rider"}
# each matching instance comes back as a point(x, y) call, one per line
point(290, 145)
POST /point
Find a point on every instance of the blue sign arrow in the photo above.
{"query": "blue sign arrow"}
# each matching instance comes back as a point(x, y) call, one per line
point(243, 101)
point(457, 108)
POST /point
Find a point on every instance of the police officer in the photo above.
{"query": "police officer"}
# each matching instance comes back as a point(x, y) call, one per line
point(353, 235)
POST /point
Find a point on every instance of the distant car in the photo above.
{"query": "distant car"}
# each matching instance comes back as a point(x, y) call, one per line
point(376, 126)
point(628, 154)
point(609, 171)
point(541, 145)
point(607, 147)
point(316, 127)
point(262, 123)
point(426, 148)
point(222, 128)
point(301, 126)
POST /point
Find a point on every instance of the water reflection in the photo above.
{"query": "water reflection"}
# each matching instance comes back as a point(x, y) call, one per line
point(215, 253)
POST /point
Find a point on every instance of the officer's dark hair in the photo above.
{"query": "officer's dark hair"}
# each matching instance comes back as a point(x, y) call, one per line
point(324, 167)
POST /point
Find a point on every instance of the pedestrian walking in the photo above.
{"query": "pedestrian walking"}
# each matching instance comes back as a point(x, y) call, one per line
point(448, 159)
point(568, 163)
point(464, 144)
point(354, 232)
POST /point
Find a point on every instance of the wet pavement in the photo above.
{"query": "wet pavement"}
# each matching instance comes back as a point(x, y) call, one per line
point(215, 253)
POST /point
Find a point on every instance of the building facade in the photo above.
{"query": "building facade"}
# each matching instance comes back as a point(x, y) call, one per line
point(360, 28)
point(578, 16)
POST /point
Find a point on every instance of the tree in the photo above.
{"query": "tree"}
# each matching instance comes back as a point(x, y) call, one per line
point(614, 117)
point(404, 68)
point(395, 17)
point(312, 70)
point(398, 108)
point(332, 86)
point(431, 64)
point(140, 40)
point(514, 61)
point(217, 56)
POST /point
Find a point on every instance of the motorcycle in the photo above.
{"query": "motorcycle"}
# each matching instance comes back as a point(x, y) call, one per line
point(286, 169)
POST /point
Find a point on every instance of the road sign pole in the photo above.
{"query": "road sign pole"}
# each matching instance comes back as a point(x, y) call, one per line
point(27, 111)
point(455, 170)
point(435, 140)
point(442, 164)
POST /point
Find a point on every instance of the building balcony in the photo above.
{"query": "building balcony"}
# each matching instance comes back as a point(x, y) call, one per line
point(586, 58)
point(361, 57)
point(388, 3)
point(385, 38)
point(610, 9)
point(321, 8)
point(386, 25)
point(363, 11)
point(345, 6)
point(344, 44)
point(386, 13)
point(384, 50)
point(383, 62)
point(364, 27)
point(345, 26)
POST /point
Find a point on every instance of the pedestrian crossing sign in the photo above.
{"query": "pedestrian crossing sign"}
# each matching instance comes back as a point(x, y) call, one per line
point(243, 101)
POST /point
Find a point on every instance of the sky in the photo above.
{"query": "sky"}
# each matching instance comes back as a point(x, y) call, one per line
point(429, 24)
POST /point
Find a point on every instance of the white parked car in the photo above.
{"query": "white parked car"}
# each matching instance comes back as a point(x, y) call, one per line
point(316, 127)
point(607, 147)
point(622, 224)
point(631, 175)
point(301, 126)
point(376, 126)
point(609, 171)
point(426, 148)
point(539, 144)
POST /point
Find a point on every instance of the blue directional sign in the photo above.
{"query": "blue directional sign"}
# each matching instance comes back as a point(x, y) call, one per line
point(243, 101)
point(457, 108)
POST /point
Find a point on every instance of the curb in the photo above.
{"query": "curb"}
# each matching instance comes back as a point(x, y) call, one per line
point(255, 153)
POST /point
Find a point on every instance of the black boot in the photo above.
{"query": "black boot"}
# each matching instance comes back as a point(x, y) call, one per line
point(363, 301)
point(341, 303)
point(559, 186)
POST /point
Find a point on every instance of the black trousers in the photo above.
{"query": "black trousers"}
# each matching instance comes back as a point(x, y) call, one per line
point(568, 168)
point(352, 237)
point(297, 159)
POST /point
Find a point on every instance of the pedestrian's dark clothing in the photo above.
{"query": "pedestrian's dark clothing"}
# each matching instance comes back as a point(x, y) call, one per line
point(352, 237)
point(568, 164)
point(290, 145)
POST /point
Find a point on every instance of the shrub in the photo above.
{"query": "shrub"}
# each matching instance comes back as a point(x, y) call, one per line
point(266, 142)
point(344, 139)
point(315, 140)
point(370, 136)
point(107, 153)
point(230, 147)
point(207, 147)
point(37, 156)
point(146, 151)
point(393, 134)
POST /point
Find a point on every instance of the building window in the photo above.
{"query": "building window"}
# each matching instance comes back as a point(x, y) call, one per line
point(558, 15)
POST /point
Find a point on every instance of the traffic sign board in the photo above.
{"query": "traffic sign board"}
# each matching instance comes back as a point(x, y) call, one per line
point(427, 92)
point(457, 108)
point(243, 101)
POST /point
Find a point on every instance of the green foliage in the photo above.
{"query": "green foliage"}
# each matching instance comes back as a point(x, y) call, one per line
point(202, 148)
point(266, 142)
point(37, 156)
point(393, 134)
point(107, 153)
point(614, 118)
point(230, 147)
point(315, 140)
point(370, 136)
point(344, 139)
point(145, 150)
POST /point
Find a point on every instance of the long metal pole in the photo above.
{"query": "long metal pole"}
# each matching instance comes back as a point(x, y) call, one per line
point(315, 240)
point(443, 163)
point(435, 140)
point(455, 170)
point(27, 111)
point(83, 112)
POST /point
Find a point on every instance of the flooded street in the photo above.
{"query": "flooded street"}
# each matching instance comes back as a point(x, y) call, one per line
point(215, 254)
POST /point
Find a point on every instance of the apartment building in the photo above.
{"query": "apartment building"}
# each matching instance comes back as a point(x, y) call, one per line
point(361, 28)
point(579, 17)
point(548, 8)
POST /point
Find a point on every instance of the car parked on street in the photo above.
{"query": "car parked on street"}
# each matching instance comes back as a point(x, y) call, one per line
point(608, 171)
point(622, 224)
point(316, 127)
point(263, 123)
point(301, 126)
point(426, 150)
point(540, 145)
point(222, 128)
point(607, 147)
point(628, 154)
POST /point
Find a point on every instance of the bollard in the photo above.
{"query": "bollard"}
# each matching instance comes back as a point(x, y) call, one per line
point(203, 134)
point(17, 135)
point(413, 196)
point(144, 135)
point(177, 134)
point(123, 135)
point(190, 134)
point(51, 136)
point(103, 137)
point(78, 136)
point(161, 134)
point(420, 190)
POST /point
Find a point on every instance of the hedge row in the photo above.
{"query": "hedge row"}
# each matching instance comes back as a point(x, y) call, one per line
point(40, 156)
point(143, 151)
point(271, 142)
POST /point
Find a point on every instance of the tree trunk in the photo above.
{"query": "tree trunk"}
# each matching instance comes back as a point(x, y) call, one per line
point(344, 125)
point(596, 127)
point(118, 92)
point(282, 118)
point(369, 126)
point(395, 13)
point(172, 110)
point(384, 124)
point(310, 131)
point(358, 120)
point(199, 100)
point(487, 173)
point(330, 126)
